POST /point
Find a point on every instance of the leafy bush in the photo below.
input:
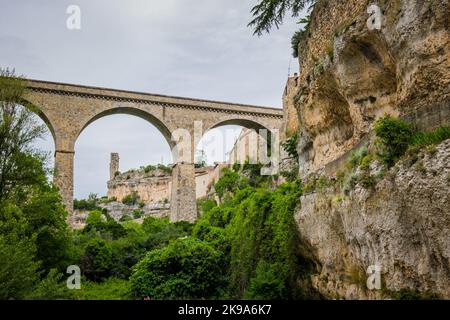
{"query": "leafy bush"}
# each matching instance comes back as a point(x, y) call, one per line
point(297, 37)
point(110, 289)
point(394, 136)
point(165, 169)
point(367, 180)
point(236, 167)
point(89, 204)
point(357, 157)
point(227, 183)
point(154, 225)
point(18, 268)
point(185, 269)
point(262, 230)
point(292, 174)
point(97, 260)
point(125, 218)
point(104, 224)
point(52, 287)
point(290, 146)
point(149, 169)
point(205, 205)
point(137, 214)
point(266, 284)
point(131, 199)
point(349, 183)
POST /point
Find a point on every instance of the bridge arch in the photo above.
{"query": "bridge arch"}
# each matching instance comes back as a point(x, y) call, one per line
point(257, 126)
point(246, 123)
point(165, 131)
point(40, 113)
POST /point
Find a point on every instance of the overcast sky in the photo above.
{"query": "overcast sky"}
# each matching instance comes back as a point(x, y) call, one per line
point(192, 48)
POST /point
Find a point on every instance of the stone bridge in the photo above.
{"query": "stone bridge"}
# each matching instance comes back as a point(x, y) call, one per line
point(68, 109)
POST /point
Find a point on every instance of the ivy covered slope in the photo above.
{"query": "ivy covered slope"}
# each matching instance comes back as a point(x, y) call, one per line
point(245, 247)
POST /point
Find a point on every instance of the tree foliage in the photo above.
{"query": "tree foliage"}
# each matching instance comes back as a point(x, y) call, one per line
point(270, 13)
point(185, 269)
point(394, 136)
point(34, 235)
point(19, 163)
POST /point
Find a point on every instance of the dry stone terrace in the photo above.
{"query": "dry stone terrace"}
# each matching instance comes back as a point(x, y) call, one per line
point(68, 109)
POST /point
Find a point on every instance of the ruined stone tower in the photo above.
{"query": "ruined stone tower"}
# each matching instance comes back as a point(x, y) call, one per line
point(113, 165)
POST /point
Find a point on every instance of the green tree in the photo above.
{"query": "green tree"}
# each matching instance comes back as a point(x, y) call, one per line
point(18, 268)
point(24, 189)
point(104, 224)
point(131, 199)
point(97, 260)
point(19, 163)
point(394, 137)
point(270, 13)
point(185, 269)
point(52, 287)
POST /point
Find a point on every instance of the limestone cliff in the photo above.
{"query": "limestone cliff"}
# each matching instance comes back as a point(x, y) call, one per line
point(349, 76)
point(402, 225)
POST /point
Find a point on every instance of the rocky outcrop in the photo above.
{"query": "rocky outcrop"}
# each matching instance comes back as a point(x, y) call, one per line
point(402, 225)
point(351, 75)
point(155, 209)
point(152, 185)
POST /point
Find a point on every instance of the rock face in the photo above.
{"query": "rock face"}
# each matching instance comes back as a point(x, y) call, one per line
point(402, 225)
point(350, 75)
point(151, 186)
point(155, 209)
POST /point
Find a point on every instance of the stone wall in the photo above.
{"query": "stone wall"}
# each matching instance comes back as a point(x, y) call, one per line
point(290, 123)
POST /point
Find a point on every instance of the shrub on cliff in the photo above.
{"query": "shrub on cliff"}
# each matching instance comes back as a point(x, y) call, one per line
point(89, 204)
point(131, 199)
point(394, 137)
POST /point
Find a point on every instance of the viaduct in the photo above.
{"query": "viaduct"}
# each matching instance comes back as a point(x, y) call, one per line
point(68, 109)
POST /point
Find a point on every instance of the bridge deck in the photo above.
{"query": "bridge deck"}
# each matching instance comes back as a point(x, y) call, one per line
point(125, 95)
